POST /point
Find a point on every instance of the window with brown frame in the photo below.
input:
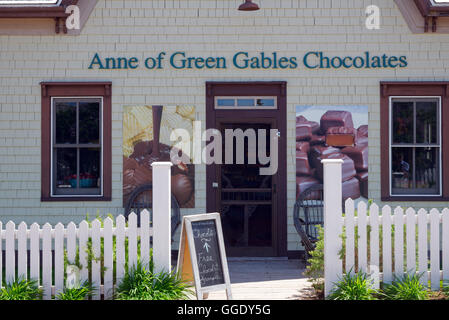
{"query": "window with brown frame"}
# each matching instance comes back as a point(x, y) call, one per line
point(432, 10)
point(38, 9)
point(414, 141)
point(76, 141)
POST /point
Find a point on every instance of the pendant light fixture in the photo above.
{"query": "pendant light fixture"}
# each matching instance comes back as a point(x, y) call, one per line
point(248, 6)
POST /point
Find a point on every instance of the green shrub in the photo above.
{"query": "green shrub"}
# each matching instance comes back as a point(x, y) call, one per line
point(315, 269)
point(406, 288)
point(21, 289)
point(445, 289)
point(140, 283)
point(76, 293)
point(353, 287)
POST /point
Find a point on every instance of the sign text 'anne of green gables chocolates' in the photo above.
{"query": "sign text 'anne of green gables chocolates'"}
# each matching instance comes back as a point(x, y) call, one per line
point(243, 60)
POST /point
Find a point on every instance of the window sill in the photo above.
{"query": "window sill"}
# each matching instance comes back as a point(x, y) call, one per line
point(413, 198)
point(74, 199)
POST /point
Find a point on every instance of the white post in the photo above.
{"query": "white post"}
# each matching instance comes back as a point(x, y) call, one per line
point(162, 216)
point(332, 194)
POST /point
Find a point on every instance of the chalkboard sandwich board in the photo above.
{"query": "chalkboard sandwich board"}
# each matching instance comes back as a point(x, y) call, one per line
point(202, 256)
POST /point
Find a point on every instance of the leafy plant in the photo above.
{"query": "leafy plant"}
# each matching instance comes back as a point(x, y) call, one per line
point(406, 288)
point(21, 289)
point(354, 287)
point(445, 289)
point(315, 269)
point(76, 293)
point(140, 283)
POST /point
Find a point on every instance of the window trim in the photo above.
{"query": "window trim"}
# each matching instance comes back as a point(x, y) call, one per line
point(391, 144)
point(77, 90)
point(52, 171)
point(401, 89)
point(36, 11)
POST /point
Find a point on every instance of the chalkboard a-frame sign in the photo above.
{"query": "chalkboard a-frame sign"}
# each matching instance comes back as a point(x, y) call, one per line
point(202, 256)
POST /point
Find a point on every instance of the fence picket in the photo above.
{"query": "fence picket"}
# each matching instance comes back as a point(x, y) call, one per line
point(411, 241)
point(71, 243)
point(59, 258)
point(10, 265)
point(47, 266)
point(108, 258)
point(120, 247)
point(386, 244)
point(399, 242)
point(132, 239)
point(435, 249)
point(96, 259)
point(445, 242)
point(145, 237)
point(422, 246)
point(362, 238)
point(83, 237)
point(35, 253)
point(374, 237)
point(22, 255)
point(349, 222)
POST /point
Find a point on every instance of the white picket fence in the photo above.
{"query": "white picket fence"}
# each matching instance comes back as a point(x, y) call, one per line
point(29, 251)
point(43, 243)
point(383, 243)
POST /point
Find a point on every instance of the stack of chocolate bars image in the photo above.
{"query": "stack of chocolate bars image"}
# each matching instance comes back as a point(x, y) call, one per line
point(333, 138)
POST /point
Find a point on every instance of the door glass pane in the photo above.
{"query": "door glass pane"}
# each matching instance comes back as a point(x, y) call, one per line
point(402, 170)
point(427, 176)
point(65, 168)
point(89, 122)
point(246, 195)
point(402, 122)
point(245, 102)
point(89, 168)
point(265, 102)
point(259, 226)
point(65, 122)
point(426, 122)
point(225, 102)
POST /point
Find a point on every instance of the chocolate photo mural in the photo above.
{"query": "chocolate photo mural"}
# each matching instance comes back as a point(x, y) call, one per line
point(146, 139)
point(332, 132)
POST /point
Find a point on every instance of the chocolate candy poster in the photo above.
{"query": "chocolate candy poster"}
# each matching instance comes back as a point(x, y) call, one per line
point(332, 132)
point(146, 139)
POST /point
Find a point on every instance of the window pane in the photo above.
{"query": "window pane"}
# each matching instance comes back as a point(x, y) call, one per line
point(265, 102)
point(225, 102)
point(402, 122)
point(90, 168)
point(402, 169)
point(245, 102)
point(426, 122)
point(65, 122)
point(65, 168)
point(89, 122)
point(415, 171)
point(427, 176)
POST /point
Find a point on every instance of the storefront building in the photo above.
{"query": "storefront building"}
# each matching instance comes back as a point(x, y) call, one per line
point(86, 110)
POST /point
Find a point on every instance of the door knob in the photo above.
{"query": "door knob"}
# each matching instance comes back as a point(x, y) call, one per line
point(215, 185)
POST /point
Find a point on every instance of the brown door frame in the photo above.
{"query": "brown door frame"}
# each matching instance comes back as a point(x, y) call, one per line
point(258, 88)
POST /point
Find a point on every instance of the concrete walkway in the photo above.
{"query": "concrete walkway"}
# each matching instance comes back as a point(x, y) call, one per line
point(266, 279)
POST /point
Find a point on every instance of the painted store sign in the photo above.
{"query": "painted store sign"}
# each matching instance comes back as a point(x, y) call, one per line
point(244, 60)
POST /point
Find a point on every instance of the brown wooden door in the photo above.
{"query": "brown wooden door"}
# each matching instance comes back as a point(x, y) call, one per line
point(252, 207)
